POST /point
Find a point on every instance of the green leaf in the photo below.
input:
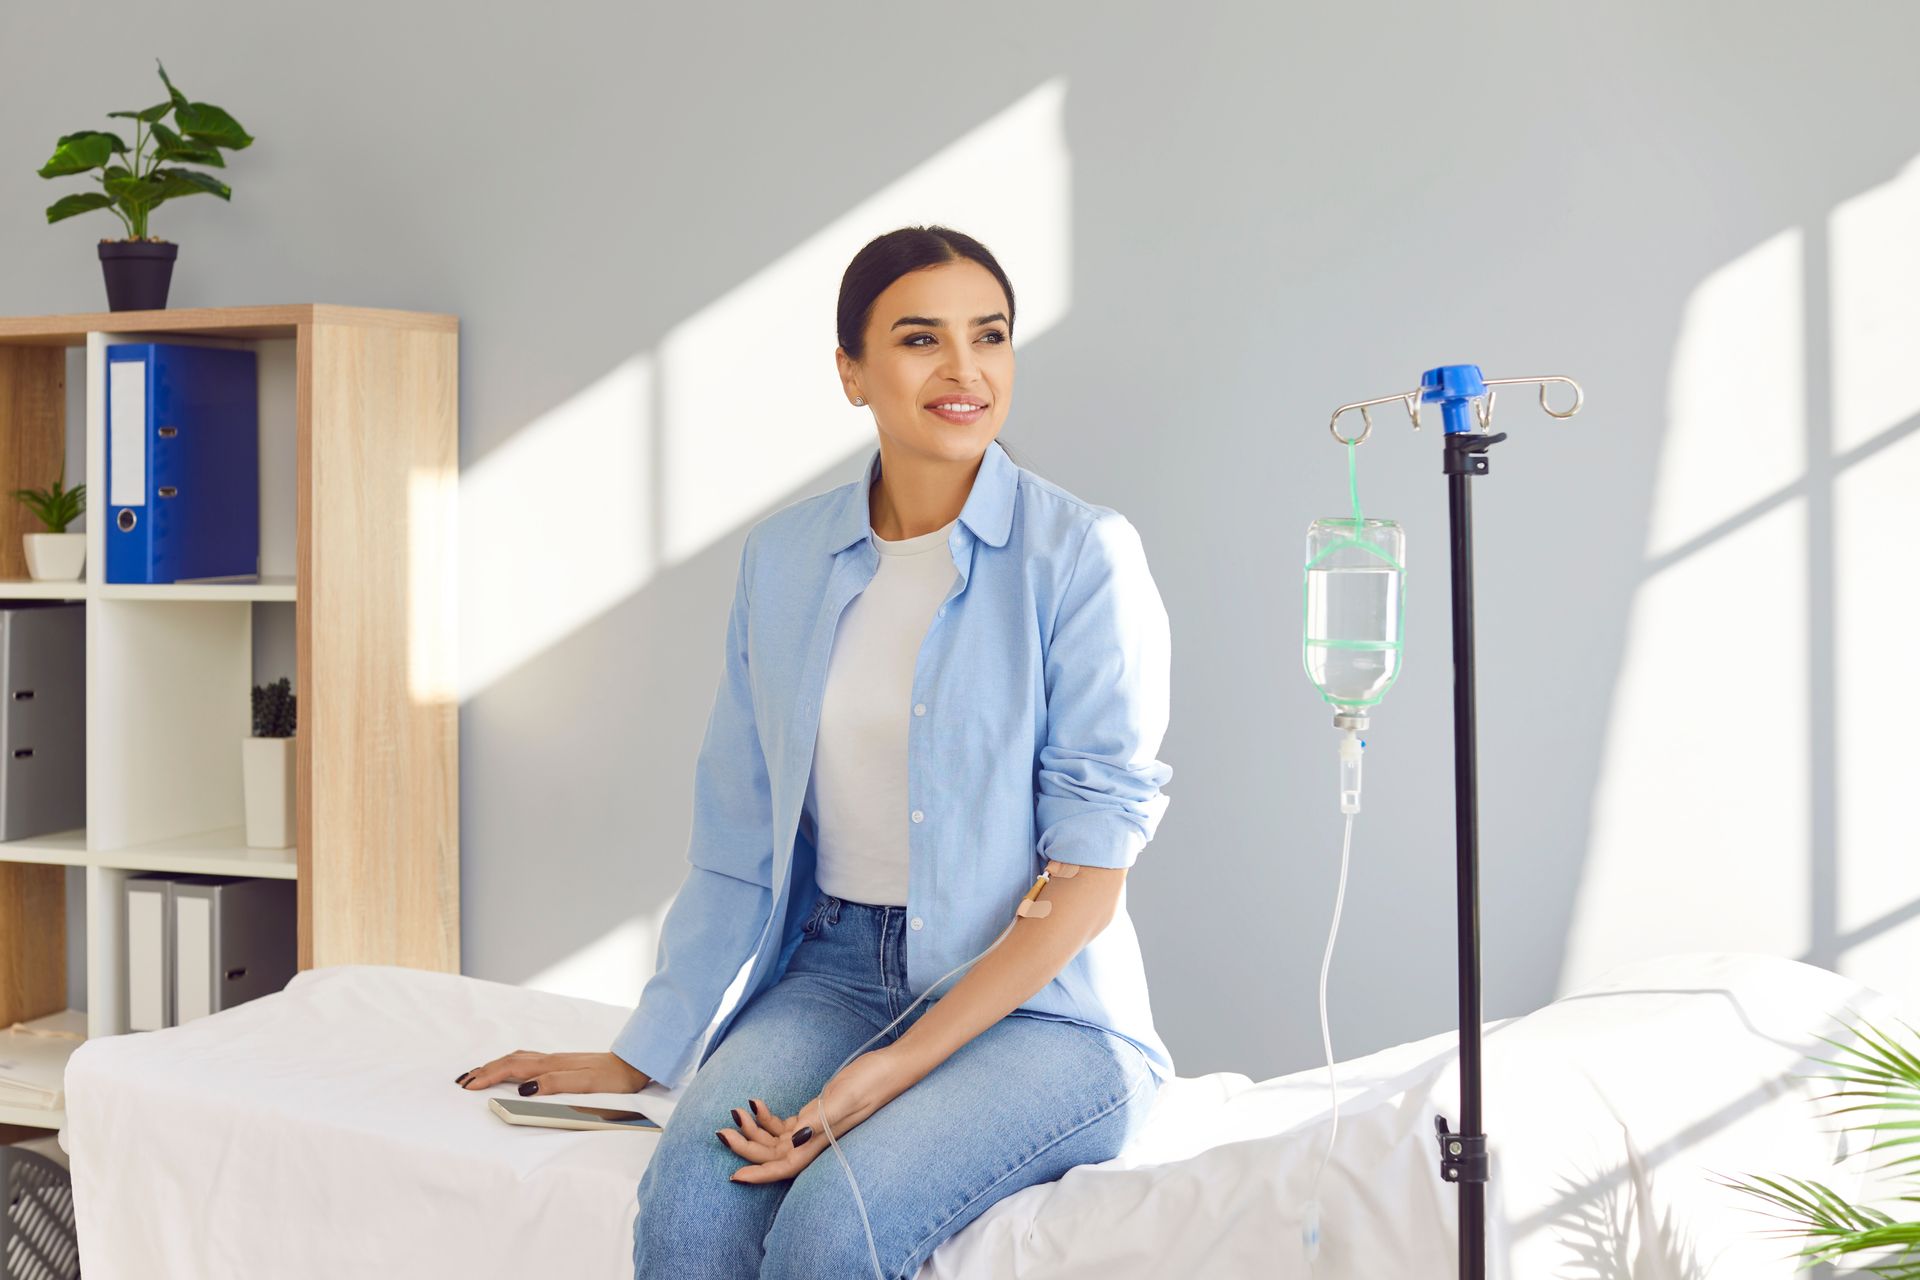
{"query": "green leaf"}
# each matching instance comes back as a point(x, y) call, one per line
point(84, 202)
point(187, 182)
point(191, 155)
point(79, 152)
point(174, 147)
point(179, 98)
point(136, 191)
point(204, 122)
point(149, 116)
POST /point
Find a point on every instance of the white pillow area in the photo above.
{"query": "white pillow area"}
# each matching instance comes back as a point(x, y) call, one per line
point(1605, 1113)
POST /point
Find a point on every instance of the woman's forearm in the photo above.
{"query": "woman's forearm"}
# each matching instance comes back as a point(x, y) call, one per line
point(1027, 960)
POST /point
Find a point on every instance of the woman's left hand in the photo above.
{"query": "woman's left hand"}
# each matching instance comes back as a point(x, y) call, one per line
point(768, 1141)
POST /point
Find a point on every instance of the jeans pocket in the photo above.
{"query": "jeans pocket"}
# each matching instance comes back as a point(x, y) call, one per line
point(815, 921)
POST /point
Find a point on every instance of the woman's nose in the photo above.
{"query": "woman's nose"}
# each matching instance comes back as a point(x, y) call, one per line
point(960, 366)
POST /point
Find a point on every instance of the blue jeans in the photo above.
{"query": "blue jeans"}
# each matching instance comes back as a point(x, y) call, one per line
point(1021, 1103)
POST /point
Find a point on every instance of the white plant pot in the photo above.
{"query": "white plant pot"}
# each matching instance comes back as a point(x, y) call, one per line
point(56, 557)
point(266, 765)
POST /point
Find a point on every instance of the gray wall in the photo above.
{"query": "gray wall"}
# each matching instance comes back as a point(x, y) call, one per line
point(1273, 210)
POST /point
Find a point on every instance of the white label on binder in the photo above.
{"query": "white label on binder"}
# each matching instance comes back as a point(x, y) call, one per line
point(193, 950)
point(146, 961)
point(127, 423)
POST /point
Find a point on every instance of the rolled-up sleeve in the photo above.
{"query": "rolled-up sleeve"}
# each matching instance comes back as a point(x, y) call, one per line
point(723, 904)
point(1098, 795)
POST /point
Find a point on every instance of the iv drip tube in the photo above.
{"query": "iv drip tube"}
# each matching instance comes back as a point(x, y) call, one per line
point(873, 1252)
point(1310, 1231)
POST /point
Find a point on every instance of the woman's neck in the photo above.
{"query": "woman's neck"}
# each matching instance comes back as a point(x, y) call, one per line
point(915, 495)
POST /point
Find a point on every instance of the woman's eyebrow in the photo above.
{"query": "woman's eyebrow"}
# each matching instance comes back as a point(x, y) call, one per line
point(930, 322)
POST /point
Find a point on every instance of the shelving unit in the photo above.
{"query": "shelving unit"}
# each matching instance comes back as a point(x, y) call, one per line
point(358, 471)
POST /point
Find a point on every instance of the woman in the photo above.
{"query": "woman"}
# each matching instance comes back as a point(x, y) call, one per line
point(938, 680)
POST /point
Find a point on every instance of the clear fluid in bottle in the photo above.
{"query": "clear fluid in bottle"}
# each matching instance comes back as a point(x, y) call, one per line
point(1354, 596)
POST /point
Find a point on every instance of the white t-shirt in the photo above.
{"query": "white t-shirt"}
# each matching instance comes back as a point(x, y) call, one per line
point(857, 794)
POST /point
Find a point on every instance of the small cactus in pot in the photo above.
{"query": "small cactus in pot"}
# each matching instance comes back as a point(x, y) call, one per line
point(267, 764)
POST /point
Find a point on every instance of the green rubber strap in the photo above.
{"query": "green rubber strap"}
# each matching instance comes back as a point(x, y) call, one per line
point(1353, 644)
point(1353, 478)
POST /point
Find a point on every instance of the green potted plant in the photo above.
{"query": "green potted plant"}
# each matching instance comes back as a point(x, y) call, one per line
point(56, 555)
point(1886, 1073)
point(136, 182)
point(266, 766)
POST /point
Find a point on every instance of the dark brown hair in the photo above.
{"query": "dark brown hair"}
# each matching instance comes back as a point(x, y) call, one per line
point(886, 258)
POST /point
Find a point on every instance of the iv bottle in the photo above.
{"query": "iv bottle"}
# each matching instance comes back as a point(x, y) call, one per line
point(1353, 606)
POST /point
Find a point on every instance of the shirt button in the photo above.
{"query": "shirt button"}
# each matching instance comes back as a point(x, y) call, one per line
point(917, 815)
point(916, 922)
point(943, 611)
point(919, 708)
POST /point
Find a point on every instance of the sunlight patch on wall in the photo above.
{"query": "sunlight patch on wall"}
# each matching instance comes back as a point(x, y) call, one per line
point(1876, 309)
point(553, 527)
point(611, 968)
point(1876, 333)
point(1736, 400)
point(1700, 820)
point(752, 403)
point(1878, 701)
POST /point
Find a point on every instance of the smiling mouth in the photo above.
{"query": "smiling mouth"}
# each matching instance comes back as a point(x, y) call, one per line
point(956, 410)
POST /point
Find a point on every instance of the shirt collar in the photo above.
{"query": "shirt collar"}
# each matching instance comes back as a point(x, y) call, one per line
point(988, 511)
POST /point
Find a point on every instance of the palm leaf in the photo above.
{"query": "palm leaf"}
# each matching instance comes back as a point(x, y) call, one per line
point(1889, 1074)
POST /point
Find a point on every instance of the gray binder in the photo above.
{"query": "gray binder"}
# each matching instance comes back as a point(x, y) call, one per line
point(149, 952)
point(43, 719)
point(234, 938)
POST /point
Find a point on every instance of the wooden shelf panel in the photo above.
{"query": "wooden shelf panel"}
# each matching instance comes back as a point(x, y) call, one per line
point(60, 849)
point(228, 322)
point(224, 852)
point(271, 587)
point(28, 589)
point(40, 1061)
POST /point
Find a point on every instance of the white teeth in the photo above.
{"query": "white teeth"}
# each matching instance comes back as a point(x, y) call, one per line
point(958, 408)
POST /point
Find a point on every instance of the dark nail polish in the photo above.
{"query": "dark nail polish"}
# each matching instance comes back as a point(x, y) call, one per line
point(462, 1077)
point(738, 1121)
point(758, 1106)
point(722, 1137)
point(531, 1086)
point(803, 1136)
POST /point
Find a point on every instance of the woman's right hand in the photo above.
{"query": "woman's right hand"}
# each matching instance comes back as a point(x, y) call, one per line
point(559, 1073)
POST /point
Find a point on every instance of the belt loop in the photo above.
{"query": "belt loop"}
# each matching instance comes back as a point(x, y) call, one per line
point(833, 909)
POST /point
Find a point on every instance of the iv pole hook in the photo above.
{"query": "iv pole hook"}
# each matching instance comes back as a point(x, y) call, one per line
point(1483, 409)
point(1411, 399)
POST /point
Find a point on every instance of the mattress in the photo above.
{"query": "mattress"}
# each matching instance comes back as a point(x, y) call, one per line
point(317, 1133)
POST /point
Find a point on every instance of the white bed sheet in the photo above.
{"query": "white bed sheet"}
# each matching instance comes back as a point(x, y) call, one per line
point(1605, 1111)
point(318, 1133)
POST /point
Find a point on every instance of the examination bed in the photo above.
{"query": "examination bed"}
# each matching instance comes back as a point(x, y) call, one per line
point(317, 1133)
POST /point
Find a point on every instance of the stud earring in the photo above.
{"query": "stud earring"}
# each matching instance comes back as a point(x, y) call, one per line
point(858, 400)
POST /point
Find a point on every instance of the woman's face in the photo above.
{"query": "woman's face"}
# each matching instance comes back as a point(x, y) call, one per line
point(938, 370)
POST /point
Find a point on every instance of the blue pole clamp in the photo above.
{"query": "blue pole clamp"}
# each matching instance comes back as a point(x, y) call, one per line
point(1454, 386)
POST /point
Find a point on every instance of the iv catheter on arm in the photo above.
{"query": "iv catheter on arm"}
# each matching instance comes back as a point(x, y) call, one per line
point(1353, 624)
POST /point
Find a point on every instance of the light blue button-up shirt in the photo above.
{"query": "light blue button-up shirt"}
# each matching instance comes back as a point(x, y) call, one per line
point(1045, 676)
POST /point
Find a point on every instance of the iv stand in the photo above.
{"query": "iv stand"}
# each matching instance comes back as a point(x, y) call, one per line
point(1466, 408)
